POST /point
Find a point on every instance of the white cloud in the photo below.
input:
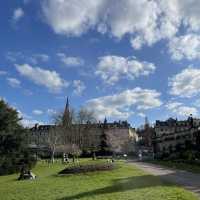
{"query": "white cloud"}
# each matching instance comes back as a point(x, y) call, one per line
point(112, 68)
point(27, 121)
point(137, 42)
point(124, 104)
point(28, 92)
point(186, 46)
point(22, 57)
point(2, 99)
point(71, 61)
point(2, 73)
point(130, 17)
point(72, 17)
point(18, 14)
point(37, 112)
point(79, 87)
point(42, 57)
point(186, 83)
point(75, 17)
point(13, 82)
point(142, 115)
point(47, 78)
point(35, 58)
point(27, 1)
point(144, 21)
point(179, 109)
point(13, 56)
point(51, 112)
point(190, 12)
point(197, 103)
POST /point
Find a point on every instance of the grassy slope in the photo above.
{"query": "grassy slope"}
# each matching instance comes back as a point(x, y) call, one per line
point(125, 183)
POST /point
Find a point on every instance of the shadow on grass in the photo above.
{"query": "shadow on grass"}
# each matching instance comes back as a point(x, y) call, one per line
point(120, 185)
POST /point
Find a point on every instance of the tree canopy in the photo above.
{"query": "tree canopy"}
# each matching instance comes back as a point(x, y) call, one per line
point(9, 119)
point(14, 151)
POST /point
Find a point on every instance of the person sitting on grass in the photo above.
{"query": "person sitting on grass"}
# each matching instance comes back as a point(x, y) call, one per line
point(26, 174)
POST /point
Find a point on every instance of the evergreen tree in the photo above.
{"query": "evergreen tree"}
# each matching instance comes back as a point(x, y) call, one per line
point(104, 146)
point(14, 151)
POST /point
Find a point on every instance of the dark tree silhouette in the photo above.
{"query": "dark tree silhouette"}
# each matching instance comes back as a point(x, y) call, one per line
point(104, 144)
point(14, 151)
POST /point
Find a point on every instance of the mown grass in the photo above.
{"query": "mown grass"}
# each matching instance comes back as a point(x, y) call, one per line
point(124, 183)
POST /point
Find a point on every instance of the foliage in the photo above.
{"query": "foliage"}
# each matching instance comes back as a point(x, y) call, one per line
point(9, 120)
point(104, 145)
point(105, 148)
point(126, 182)
point(14, 150)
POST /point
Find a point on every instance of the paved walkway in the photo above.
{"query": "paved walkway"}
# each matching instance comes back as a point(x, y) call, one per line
point(186, 179)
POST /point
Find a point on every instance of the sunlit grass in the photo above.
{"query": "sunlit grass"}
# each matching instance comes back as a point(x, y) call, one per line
point(123, 183)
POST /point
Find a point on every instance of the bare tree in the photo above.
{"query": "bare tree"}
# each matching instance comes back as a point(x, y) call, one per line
point(59, 134)
point(72, 132)
point(54, 139)
point(85, 129)
point(118, 142)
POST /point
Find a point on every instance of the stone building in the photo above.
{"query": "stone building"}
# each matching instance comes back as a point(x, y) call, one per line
point(88, 135)
point(172, 135)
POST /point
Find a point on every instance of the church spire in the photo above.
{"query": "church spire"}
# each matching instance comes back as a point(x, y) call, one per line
point(67, 105)
point(66, 114)
point(105, 120)
point(146, 123)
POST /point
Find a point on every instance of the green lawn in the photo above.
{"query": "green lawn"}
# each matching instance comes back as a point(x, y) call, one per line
point(123, 183)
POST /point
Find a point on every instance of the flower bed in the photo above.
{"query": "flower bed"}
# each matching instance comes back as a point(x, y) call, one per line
point(88, 168)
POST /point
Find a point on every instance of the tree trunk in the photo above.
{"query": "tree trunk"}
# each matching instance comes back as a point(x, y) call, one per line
point(94, 156)
point(52, 156)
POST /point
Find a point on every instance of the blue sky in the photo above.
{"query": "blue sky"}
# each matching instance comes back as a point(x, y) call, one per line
point(121, 59)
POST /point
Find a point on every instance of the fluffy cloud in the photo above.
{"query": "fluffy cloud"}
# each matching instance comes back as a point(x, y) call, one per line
point(18, 14)
point(118, 17)
point(27, 121)
point(144, 21)
point(13, 82)
point(113, 68)
point(122, 105)
point(37, 112)
point(186, 46)
point(72, 17)
point(179, 109)
point(186, 83)
point(79, 87)
point(190, 13)
point(71, 61)
point(47, 78)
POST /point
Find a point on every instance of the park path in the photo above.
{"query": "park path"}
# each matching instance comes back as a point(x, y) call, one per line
point(186, 179)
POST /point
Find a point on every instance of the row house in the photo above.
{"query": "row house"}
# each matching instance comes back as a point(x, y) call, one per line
point(172, 135)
